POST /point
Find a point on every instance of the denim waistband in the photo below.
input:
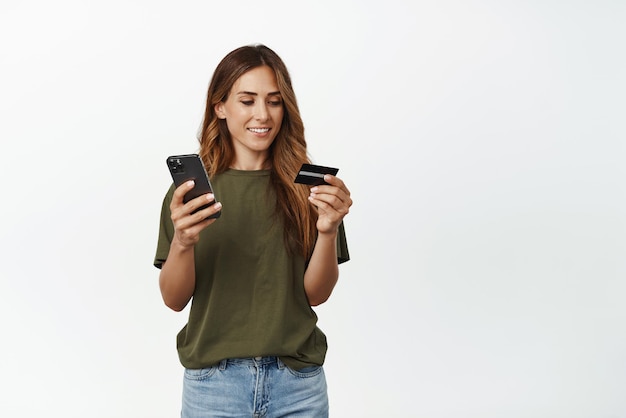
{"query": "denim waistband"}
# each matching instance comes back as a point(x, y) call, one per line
point(251, 361)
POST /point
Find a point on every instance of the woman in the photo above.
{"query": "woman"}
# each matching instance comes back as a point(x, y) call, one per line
point(251, 346)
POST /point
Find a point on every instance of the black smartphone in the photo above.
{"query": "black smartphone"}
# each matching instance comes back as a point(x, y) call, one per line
point(190, 167)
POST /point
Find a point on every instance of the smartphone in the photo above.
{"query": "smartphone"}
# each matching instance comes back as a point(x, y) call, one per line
point(189, 167)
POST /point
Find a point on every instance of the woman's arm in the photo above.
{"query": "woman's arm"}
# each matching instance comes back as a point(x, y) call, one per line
point(323, 271)
point(333, 204)
point(177, 279)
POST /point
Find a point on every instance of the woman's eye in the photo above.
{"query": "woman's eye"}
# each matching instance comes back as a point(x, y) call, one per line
point(275, 102)
point(247, 102)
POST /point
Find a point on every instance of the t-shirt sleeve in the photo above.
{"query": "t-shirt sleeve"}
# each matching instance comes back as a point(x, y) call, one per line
point(342, 245)
point(166, 231)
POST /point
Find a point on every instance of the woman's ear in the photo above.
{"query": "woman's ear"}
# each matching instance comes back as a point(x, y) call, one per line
point(219, 110)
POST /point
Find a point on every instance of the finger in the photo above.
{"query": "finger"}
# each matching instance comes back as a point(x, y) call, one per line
point(328, 202)
point(337, 182)
point(335, 186)
point(207, 212)
point(333, 191)
point(191, 235)
point(181, 191)
point(191, 225)
point(195, 228)
point(196, 203)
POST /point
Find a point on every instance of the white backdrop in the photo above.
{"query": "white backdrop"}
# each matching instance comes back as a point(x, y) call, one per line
point(483, 142)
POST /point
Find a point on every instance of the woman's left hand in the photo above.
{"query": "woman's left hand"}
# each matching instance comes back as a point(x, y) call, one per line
point(332, 201)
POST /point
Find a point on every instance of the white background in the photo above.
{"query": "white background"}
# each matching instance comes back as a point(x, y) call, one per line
point(484, 145)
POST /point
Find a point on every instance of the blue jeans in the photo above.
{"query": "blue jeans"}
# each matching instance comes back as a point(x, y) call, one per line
point(254, 387)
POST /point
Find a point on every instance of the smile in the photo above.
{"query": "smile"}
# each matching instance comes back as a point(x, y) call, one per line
point(259, 130)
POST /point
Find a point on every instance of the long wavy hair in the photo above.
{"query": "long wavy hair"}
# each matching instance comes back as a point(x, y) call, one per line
point(286, 154)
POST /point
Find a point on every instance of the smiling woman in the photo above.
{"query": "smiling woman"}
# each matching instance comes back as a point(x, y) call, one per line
point(253, 114)
point(251, 345)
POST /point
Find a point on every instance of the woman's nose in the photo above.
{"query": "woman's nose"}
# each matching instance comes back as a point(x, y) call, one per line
point(261, 112)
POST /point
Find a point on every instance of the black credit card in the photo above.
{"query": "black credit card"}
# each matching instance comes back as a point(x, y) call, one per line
point(314, 174)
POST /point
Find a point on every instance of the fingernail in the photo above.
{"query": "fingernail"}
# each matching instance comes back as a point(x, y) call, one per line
point(210, 197)
point(190, 183)
point(314, 189)
point(218, 205)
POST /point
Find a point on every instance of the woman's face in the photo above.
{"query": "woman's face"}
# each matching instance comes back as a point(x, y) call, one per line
point(253, 114)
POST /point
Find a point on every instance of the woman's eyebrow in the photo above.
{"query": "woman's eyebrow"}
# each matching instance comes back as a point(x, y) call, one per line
point(251, 93)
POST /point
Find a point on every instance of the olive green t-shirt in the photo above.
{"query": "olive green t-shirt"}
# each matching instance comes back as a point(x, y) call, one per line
point(249, 298)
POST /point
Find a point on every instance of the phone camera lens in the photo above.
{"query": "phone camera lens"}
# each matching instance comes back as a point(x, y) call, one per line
point(176, 165)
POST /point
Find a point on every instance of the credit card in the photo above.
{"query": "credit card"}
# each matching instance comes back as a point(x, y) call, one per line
point(314, 174)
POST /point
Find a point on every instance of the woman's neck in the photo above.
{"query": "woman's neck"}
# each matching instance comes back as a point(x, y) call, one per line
point(251, 163)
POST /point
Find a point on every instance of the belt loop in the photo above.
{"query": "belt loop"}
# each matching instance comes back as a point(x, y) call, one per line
point(222, 365)
point(281, 365)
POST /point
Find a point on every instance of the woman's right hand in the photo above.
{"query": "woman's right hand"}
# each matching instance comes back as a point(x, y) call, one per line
point(187, 226)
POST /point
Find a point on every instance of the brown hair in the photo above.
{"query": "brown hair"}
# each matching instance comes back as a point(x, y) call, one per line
point(286, 154)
